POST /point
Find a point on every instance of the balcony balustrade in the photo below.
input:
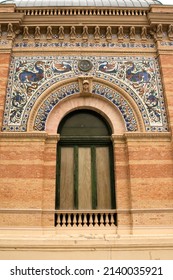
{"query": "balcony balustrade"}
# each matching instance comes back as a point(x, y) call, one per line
point(91, 218)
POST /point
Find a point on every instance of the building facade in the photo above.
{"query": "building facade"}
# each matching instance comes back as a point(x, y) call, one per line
point(86, 117)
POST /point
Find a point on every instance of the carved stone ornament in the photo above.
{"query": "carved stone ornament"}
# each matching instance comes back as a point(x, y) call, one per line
point(49, 33)
point(170, 32)
point(10, 33)
point(85, 86)
point(26, 33)
point(85, 65)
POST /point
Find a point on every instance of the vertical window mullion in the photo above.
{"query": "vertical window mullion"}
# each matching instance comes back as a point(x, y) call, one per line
point(112, 177)
point(58, 168)
point(76, 177)
point(93, 177)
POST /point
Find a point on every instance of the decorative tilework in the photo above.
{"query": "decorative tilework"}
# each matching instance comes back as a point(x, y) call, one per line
point(3, 42)
point(84, 45)
point(100, 89)
point(139, 77)
point(141, 80)
point(52, 101)
point(170, 44)
point(120, 102)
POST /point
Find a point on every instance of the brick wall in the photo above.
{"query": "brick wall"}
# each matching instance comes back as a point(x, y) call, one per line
point(151, 180)
point(27, 176)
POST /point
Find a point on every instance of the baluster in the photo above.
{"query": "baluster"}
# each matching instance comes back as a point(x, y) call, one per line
point(74, 220)
point(101, 219)
point(80, 220)
point(110, 219)
point(70, 220)
point(93, 219)
point(89, 218)
point(106, 219)
point(84, 219)
point(57, 219)
point(66, 219)
point(62, 220)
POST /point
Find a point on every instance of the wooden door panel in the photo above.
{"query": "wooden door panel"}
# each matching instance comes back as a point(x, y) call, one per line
point(67, 178)
point(84, 179)
point(103, 178)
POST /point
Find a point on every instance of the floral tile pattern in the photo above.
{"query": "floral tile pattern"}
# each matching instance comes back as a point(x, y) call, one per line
point(138, 77)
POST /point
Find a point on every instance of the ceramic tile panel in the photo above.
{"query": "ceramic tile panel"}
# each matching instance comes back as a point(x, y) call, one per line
point(139, 77)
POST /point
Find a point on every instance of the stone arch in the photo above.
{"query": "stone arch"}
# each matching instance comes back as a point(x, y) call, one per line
point(109, 100)
point(76, 102)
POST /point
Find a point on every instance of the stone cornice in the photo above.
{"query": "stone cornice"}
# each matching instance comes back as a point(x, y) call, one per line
point(22, 136)
point(116, 15)
point(59, 22)
point(45, 16)
point(7, 8)
point(148, 136)
point(160, 15)
point(102, 21)
point(14, 18)
point(142, 136)
point(9, 15)
point(118, 211)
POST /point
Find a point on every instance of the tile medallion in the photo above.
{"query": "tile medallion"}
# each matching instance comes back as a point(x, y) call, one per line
point(139, 77)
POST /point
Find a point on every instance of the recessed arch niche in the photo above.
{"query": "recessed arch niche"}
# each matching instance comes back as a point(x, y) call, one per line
point(85, 165)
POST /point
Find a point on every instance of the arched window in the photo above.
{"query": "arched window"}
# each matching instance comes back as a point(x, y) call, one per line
point(85, 173)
